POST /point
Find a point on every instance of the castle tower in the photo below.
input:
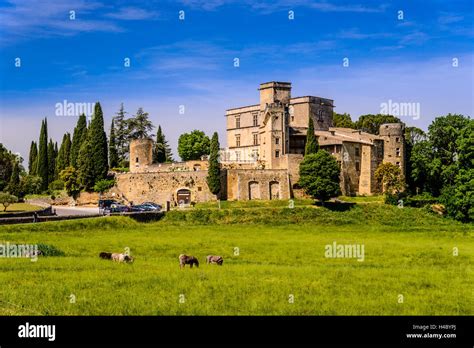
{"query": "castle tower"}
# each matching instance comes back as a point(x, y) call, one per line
point(274, 132)
point(141, 155)
point(393, 135)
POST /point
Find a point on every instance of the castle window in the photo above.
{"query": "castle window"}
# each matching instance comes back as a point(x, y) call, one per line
point(199, 188)
point(357, 152)
point(237, 140)
point(398, 164)
point(357, 166)
point(237, 155)
point(237, 121)
point(397, 140)
point(136, 160)
point(397, 151)
point(277, 153)
point(255, 138)
point(277, 141)
point(255, 120)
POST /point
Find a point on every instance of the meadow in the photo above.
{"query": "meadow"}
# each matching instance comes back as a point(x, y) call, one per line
point(274, 263)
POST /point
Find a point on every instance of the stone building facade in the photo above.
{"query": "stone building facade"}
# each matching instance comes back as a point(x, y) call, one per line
point(266, 143)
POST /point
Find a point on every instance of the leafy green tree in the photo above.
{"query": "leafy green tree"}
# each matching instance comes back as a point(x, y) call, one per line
point(191, 146)
point(30, 184)
point(98, 144)
point(33, 158)
point(43, 162)
point(14, 187)
point(343, 120)
point(319, 175)
point(371, 123)
point(139, 127)
point(312, 145)
point(214, 172)
point(7, 160)
point(7, 199)
point(391, 178)
point(413, 135)
point(162, 151)
point(64, 154)
point(77, 139)
point(113, 153)
point(71, 181)
point(85, 163)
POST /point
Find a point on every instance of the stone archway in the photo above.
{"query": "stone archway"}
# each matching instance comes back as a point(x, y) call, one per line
point(254, 190)
point(274, 189)
point(183, 196)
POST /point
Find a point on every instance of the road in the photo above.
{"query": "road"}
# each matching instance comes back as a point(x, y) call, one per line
point(62, 210)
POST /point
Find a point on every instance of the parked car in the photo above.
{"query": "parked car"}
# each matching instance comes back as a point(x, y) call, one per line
point(116, 208)
point(140, 208)
point(106, 203)
point(152, 206)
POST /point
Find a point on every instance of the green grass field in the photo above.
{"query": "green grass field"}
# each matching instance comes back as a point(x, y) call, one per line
point(18, 207)
point(408, 252)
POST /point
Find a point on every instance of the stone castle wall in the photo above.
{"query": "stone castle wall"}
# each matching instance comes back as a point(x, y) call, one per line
point(257, 184)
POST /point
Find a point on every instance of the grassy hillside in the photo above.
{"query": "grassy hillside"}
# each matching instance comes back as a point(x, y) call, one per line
point(281, 252)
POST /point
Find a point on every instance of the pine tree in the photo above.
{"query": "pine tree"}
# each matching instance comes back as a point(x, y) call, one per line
point(42, 163)
point(162, 151)
point(113, 153)
point(312, 145)
point(32, 161)
point(121, 134)
point(85, 164)
point(98, 143)
point(77, 139)
point(51, 162)
point(140, 126)
point(62, 161)
point(214, 177)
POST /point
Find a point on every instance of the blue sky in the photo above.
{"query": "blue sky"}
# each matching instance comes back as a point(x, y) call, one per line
point(190, 62)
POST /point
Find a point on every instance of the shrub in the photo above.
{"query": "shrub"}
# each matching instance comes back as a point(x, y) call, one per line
point(103, 185)
point(56, 185)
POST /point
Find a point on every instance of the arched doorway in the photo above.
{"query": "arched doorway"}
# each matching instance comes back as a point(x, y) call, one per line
point(254, 190)
point(183, 196)
point(274, 190)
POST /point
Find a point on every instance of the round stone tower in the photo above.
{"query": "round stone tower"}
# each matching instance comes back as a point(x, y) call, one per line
point(141, 155)
point(393, 135)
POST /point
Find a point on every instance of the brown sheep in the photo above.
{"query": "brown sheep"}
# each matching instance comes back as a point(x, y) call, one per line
point(214, 259)
point(187, 260)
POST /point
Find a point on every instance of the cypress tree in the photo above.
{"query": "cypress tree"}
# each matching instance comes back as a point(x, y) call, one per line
point(62, 160)
point(121, 134)
point(42, 163)
point(98, 143)
point(113, 154)
point(162, 151)
point(51, 161)
point(32, 160)
point(77, 138)
point(312, 145)
point(85, 164)
point(213, 176)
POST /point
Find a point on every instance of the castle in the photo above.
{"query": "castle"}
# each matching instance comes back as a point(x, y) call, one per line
point(266, 143)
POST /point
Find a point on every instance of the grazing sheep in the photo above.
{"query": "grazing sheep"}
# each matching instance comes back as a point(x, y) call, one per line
point(214, 259)
point(122, 258)
point(187, 260)
point(105, 256)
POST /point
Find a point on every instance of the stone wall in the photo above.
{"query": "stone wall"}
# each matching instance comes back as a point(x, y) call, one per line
point(163, 186)
point(257, 184)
